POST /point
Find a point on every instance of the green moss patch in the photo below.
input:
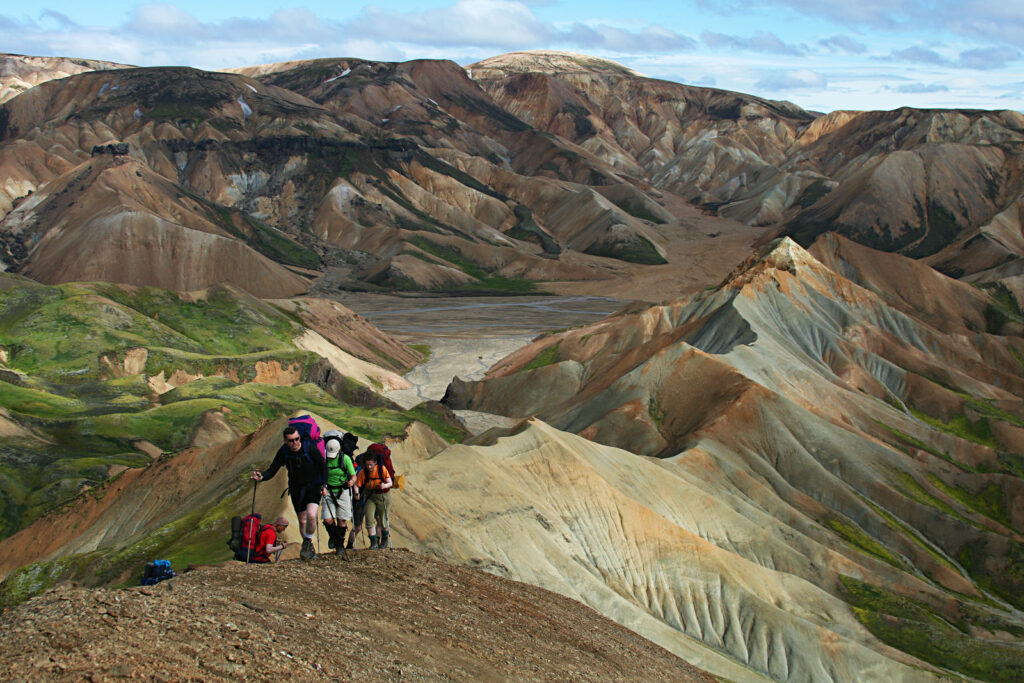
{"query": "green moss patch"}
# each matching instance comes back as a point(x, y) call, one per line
point(546, 357)
point(917, 443)
point(978, 431)
point(439, 419)
point(856, 537)
point(423, 349)
point(486, 283)
point(998, 571)
point(988, 502)
point(914, 628)
point(910, 487)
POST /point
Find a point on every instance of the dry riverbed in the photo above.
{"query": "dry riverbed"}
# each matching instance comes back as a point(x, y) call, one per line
point(468, 335)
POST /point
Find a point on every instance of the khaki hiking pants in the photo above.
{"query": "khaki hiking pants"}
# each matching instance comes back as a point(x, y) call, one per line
point(378, 505)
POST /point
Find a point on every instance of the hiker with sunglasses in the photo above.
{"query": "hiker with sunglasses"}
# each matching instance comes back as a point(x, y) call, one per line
point(307, 478)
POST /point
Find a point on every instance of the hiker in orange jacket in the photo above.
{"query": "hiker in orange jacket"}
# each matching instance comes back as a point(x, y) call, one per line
point(374, 480)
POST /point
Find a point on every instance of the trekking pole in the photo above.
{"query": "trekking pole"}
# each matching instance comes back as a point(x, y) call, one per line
point(252, 511)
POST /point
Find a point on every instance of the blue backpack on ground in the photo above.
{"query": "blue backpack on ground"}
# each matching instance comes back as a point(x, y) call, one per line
point(157, 571)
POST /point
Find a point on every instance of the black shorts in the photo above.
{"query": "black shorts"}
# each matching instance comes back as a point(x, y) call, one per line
point(309, 493)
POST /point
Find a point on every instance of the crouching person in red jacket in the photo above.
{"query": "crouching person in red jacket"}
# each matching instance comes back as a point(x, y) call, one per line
point(269, 546)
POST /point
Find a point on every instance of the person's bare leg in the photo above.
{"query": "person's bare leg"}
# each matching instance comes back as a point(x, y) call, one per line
point(310, 522)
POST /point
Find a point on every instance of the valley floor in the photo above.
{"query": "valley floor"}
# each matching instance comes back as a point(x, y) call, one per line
point(468, 335)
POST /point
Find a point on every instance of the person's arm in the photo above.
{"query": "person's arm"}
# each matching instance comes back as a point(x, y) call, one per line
point(385, 479)
point(349, 470)
point(271, 548)
point(269, 473)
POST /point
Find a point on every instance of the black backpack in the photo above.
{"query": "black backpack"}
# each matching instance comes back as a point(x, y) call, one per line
point(157, 571)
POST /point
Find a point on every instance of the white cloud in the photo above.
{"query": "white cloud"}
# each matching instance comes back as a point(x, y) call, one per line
point(760, 41)
point(166, 21)
point(989, 21)
point(921, 55)
point(917, 88)
point(843, 44)
point(497, 23)
point(988, 57)
point(794, 79)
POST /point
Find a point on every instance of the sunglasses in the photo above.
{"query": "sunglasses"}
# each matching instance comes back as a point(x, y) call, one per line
point(295, 440)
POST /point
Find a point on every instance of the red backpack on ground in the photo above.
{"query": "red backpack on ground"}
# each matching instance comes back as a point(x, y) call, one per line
point(252, 528)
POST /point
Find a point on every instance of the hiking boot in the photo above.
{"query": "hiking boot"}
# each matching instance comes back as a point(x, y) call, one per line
point(385, 537)
point(307, 552)
point(330, 538)
point(373, 543)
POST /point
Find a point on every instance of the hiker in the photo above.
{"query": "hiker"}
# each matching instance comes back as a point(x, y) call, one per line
point(336, 507)
point(374, 480)
point(307, 474)
point(383, 454)
point(359, 497)
point(268, 545)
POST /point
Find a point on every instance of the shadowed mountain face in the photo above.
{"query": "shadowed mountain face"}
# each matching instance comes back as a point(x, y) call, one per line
point(863, 408)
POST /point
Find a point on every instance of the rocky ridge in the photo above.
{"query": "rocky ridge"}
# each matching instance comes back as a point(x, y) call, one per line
point(426, 620)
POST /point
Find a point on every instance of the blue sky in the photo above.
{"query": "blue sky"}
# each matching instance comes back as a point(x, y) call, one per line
point(820, 54)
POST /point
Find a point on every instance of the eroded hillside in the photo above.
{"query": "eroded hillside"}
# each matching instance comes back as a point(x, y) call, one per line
point(809, 429)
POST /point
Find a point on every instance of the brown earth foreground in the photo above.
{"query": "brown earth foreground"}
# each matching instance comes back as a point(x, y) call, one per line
point(391, 615)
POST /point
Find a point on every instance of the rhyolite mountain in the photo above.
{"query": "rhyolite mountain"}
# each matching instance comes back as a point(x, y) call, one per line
point(800, 456)
point(847, 424)
point(522, 172)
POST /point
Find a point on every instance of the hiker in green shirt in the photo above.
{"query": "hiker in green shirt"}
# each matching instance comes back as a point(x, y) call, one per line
point(341, 474)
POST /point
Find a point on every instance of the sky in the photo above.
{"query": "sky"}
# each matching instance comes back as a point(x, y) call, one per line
point(820, 54)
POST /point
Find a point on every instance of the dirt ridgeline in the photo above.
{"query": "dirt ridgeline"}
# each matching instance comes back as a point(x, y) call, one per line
point(386, 615)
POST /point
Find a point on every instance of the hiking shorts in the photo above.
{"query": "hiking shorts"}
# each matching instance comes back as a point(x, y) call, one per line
point(310, 493)
point(378, 505)
point(343, 509)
